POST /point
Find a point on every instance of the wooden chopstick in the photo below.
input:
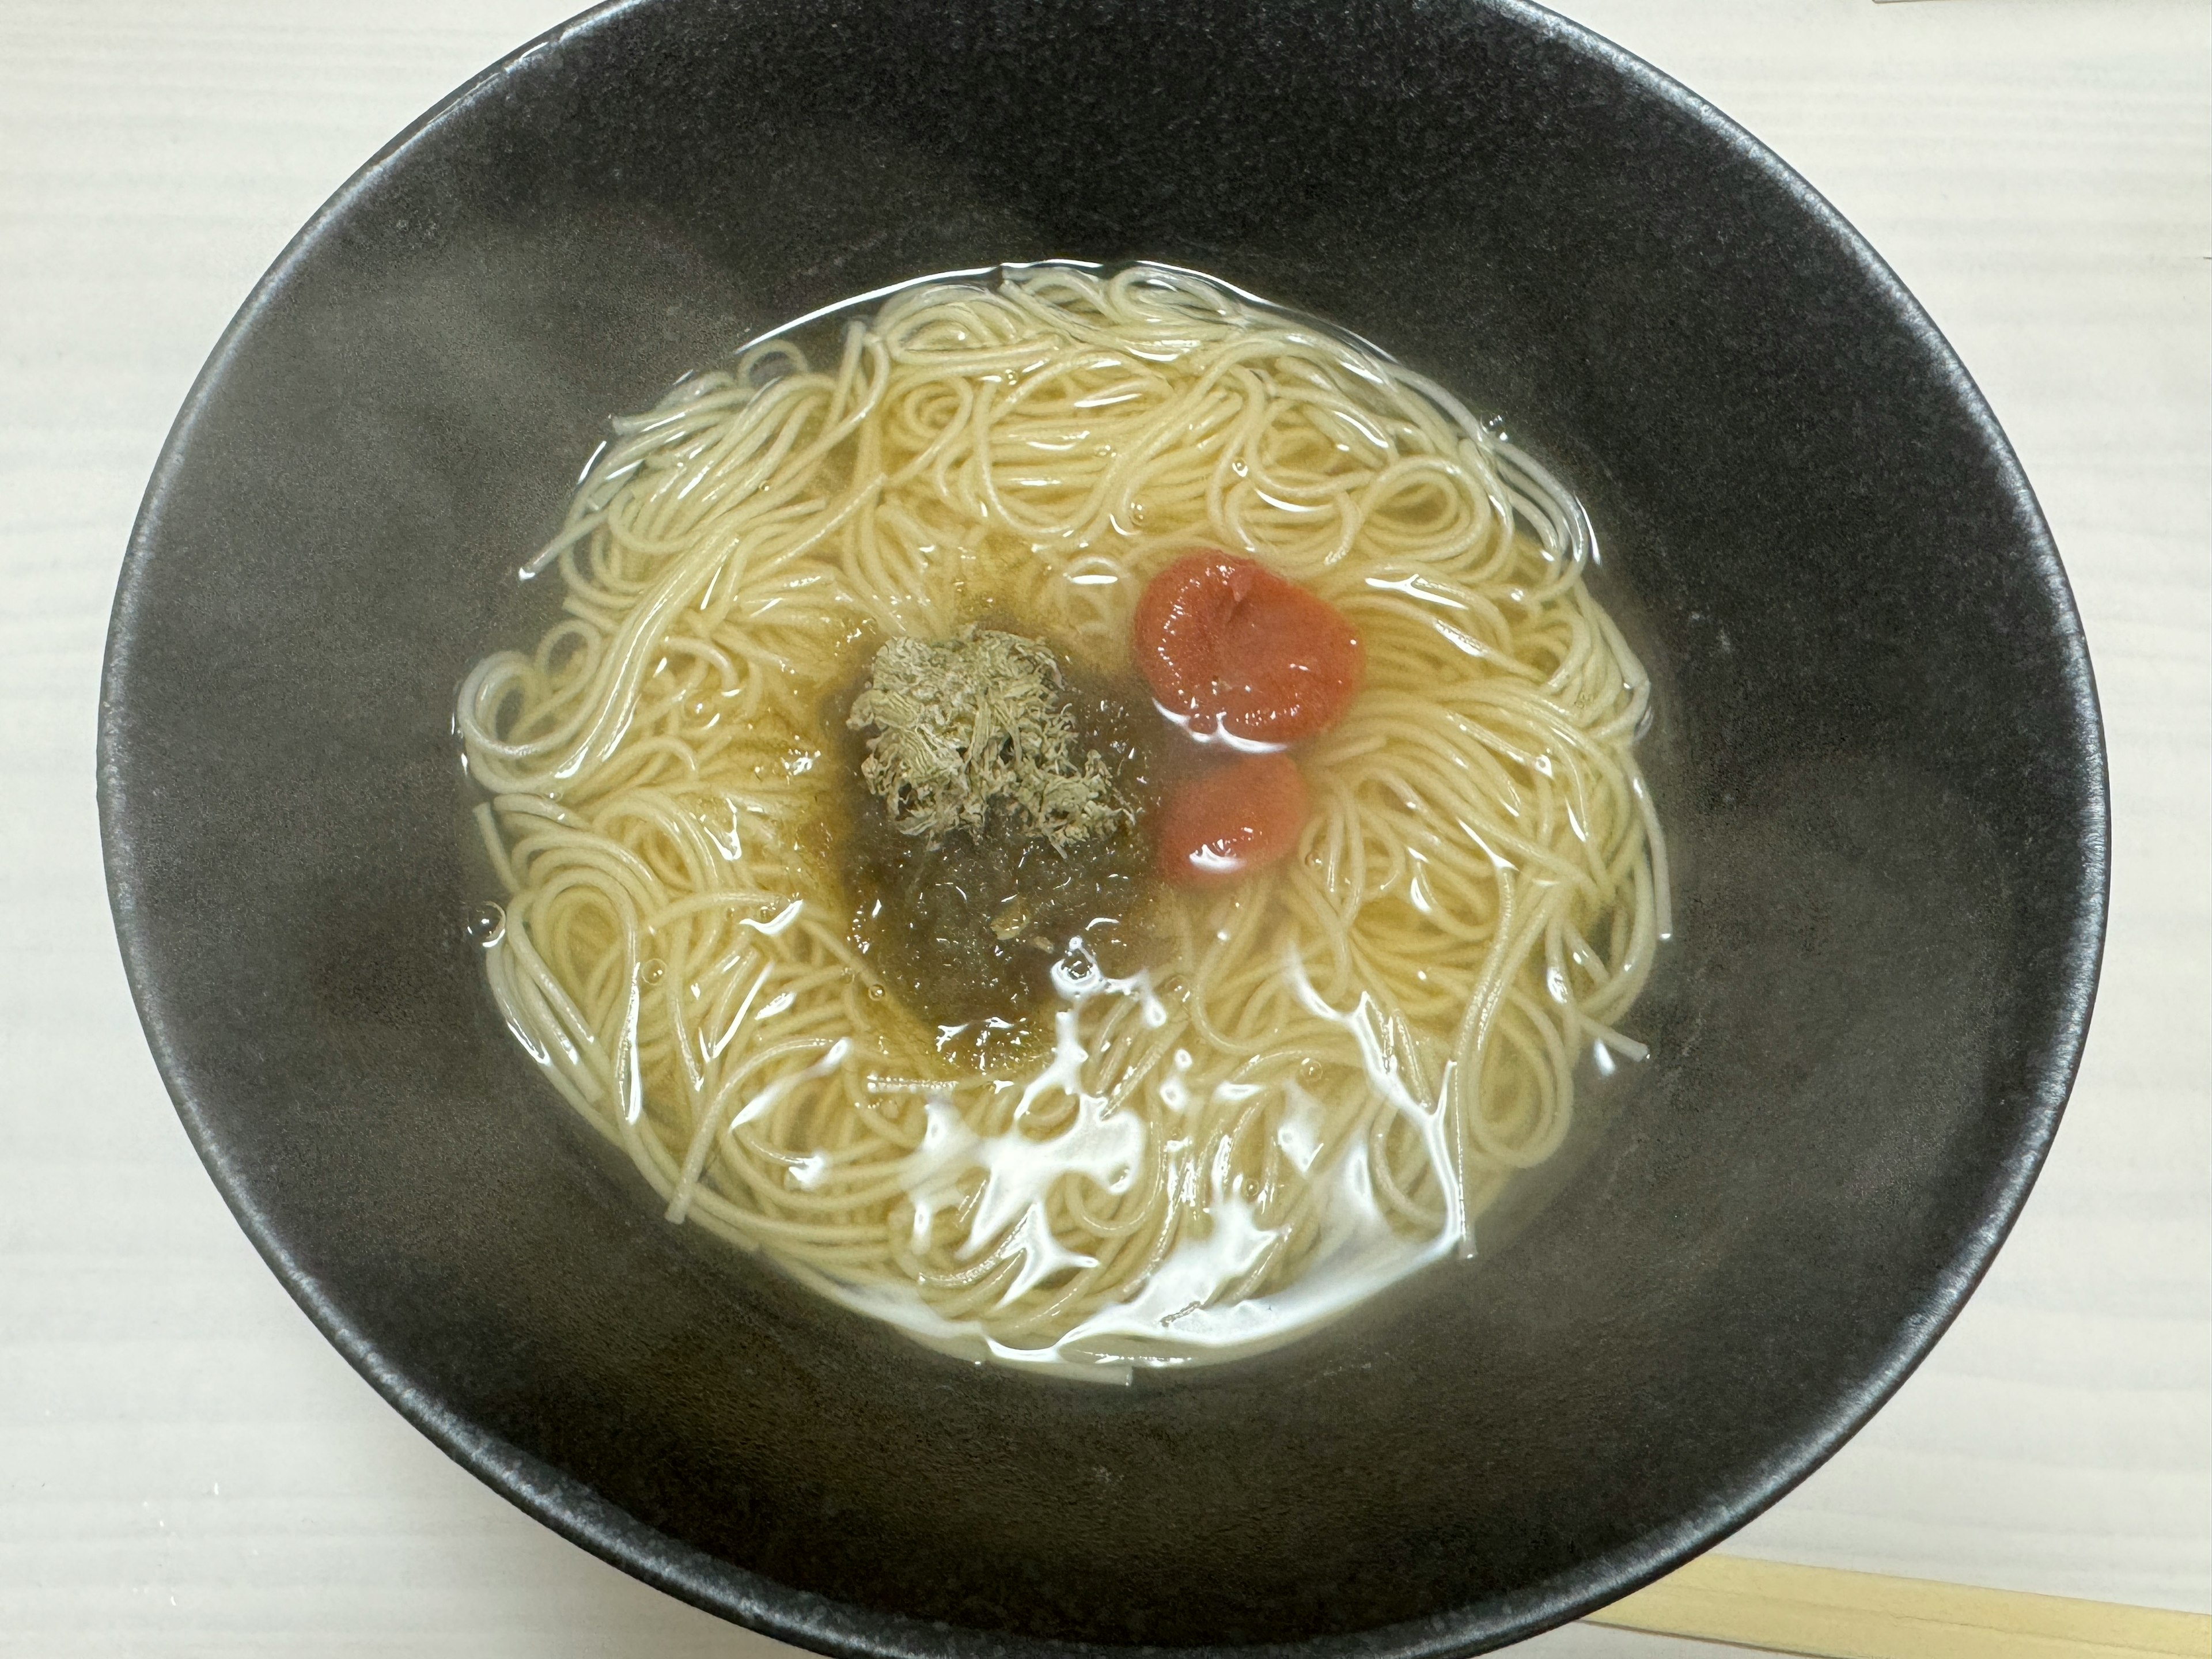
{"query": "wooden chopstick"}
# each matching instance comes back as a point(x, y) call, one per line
point(1832, 1614)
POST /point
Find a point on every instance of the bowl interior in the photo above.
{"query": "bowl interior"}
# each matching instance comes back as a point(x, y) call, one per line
point(1882, 775)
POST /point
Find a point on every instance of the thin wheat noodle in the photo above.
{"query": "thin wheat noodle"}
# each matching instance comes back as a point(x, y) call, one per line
point(1331, 1068)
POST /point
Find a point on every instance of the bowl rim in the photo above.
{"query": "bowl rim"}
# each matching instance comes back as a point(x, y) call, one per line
point(806, 1619)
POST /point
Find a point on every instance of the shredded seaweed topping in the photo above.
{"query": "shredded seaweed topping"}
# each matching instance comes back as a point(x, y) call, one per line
point(977, 724)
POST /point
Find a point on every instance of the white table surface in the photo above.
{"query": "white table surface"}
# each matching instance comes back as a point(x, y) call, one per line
point(185, 1467)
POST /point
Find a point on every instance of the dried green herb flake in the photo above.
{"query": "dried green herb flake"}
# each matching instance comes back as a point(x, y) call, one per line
point(975, 722)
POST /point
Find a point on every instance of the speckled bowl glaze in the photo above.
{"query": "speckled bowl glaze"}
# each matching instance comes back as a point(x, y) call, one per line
point(1888, 800)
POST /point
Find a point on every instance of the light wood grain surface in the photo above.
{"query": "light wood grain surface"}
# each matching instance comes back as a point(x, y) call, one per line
point(186, 1468)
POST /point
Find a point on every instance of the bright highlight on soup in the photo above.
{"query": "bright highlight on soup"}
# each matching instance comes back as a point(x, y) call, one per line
point(1095, 827)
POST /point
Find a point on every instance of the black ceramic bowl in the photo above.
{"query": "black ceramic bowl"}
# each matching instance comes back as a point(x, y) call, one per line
point(1887, 795)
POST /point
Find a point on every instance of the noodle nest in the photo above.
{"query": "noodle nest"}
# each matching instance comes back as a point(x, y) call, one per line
point(1329, 1070)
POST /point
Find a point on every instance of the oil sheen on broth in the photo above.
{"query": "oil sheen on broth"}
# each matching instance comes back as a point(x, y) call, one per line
point(1090, 818)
